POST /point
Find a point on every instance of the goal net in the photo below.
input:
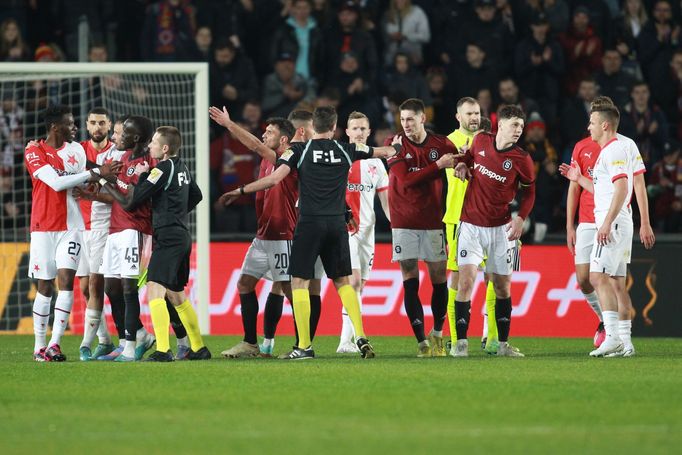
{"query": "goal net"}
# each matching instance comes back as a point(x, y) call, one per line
point(169, 94)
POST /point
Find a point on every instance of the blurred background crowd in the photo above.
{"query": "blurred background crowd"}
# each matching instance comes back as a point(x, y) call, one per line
point(268, 57)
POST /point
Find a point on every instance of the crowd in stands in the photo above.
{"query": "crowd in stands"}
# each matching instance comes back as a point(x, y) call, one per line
point(267, 57)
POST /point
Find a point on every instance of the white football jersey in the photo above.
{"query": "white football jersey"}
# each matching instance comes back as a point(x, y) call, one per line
point(614, 162)
point(365, 179)
point(100, 212)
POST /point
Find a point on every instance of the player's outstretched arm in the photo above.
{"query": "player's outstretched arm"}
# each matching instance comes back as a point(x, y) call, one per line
point(389, 151)
point(646, 233)
point(572, 173)
point(222, 117)
point(48, 175)
point(259, 185)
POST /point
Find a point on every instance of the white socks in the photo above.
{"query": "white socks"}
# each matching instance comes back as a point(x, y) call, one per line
point(62, 310)
point(611, 324)
point(593, 301)
point(129, 350)
point(625, 332)
point(185, 341)
point(41, 317)
point(103, 331)
point(91, 326)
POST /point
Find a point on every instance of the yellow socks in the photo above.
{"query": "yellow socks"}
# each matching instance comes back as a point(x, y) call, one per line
point(191, 322)
point(349, 298)
point(161, 321)
point(452, 294)
point(490, 309)
point(301, 305)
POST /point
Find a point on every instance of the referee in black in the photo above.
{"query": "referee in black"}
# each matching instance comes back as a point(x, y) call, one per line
point(174, 194)
point(322, 164)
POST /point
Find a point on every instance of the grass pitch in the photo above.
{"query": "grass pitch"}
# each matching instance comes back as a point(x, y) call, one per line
point(556, 400)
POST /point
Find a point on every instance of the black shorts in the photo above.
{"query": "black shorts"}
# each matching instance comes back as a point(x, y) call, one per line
point(323, 236)
point(169, 265)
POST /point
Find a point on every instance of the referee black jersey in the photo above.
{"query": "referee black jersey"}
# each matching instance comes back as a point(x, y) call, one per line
point(173, 192)
point(323, 166)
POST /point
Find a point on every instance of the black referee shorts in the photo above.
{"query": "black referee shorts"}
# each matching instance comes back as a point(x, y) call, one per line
point(324, 236)
point(169, 265)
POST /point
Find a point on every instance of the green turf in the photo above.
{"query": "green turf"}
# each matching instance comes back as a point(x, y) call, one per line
point(557, 400)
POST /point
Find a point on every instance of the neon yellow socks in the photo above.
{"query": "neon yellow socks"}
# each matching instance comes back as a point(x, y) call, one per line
point(349, 298)
point(191, 322)
point(161, 321)
point(452, 294)
point(490, 310)
point(301, 306)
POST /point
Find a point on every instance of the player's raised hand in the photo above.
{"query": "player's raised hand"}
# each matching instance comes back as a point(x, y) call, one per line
point(646, 236)
point(570, 239)
point(221, 117)
point(141, 168)
point(229, 197)
point(515, 228)
point(571, 172)
point(462, 171)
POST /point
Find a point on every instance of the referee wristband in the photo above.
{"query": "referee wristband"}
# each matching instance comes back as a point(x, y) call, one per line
point(398, 148)
point(241, 190)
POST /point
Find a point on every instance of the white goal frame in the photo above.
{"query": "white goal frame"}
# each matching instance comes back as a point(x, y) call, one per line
point(201, 138)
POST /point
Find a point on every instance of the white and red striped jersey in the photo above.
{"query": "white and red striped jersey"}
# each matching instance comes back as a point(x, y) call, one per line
point(614, 163)
point(365, 179)
point(54, 211)
point(96, 215)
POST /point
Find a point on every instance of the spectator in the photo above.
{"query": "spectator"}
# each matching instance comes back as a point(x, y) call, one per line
point(576, 116)
point(232, 77)
point(98, 53)
point(491, 34)
point(223, 19)
point(628, 27)
point(557, 14)
point(666, 90)
point(582, 49)
point(445, 23)
point(665, 188)
point(539, 63)
point(612, 80)
point(301, 37)
point(485, 100)
point(12, 45)
point(284, 89)
point(168, 31)
point(201, 51)
point(509, 93)
point(356, 93)
point(443, 102)
point(599, 16)
point(546, 179)
point(406, 30)
point(658, 40)
point(323, 13)
point(645, 123)
point(403, 79)
point(346, 35)
point(472, 75)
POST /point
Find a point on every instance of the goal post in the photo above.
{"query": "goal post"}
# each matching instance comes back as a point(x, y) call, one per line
point(174, 94)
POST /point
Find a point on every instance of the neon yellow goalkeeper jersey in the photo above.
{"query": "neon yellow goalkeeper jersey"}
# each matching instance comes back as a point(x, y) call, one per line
point(456, 187)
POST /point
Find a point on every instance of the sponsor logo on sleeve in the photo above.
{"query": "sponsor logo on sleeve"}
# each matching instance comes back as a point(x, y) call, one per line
point(288, 153)
point(154, 175)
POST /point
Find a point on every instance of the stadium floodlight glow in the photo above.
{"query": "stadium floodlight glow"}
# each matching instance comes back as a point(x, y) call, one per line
point(168, 93)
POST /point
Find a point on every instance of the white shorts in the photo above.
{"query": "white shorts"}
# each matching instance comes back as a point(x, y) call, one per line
point(362, 251)
point(425, 244)
point(268, 259)
point(584, 239)
point(51, 251)
point(93, 252)
point(613, 257)
point(123, 254)
point(476, 243)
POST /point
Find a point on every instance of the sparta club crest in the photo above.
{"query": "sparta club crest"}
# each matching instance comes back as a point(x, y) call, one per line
point(507, 165)
point(433, 154)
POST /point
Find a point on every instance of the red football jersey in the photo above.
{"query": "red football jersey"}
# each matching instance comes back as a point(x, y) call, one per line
point(91, 154)
point(276, 207)
point(51, 210)
point(495, 178)
point(585, 154)
point(139, 219)
point(420, 205)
